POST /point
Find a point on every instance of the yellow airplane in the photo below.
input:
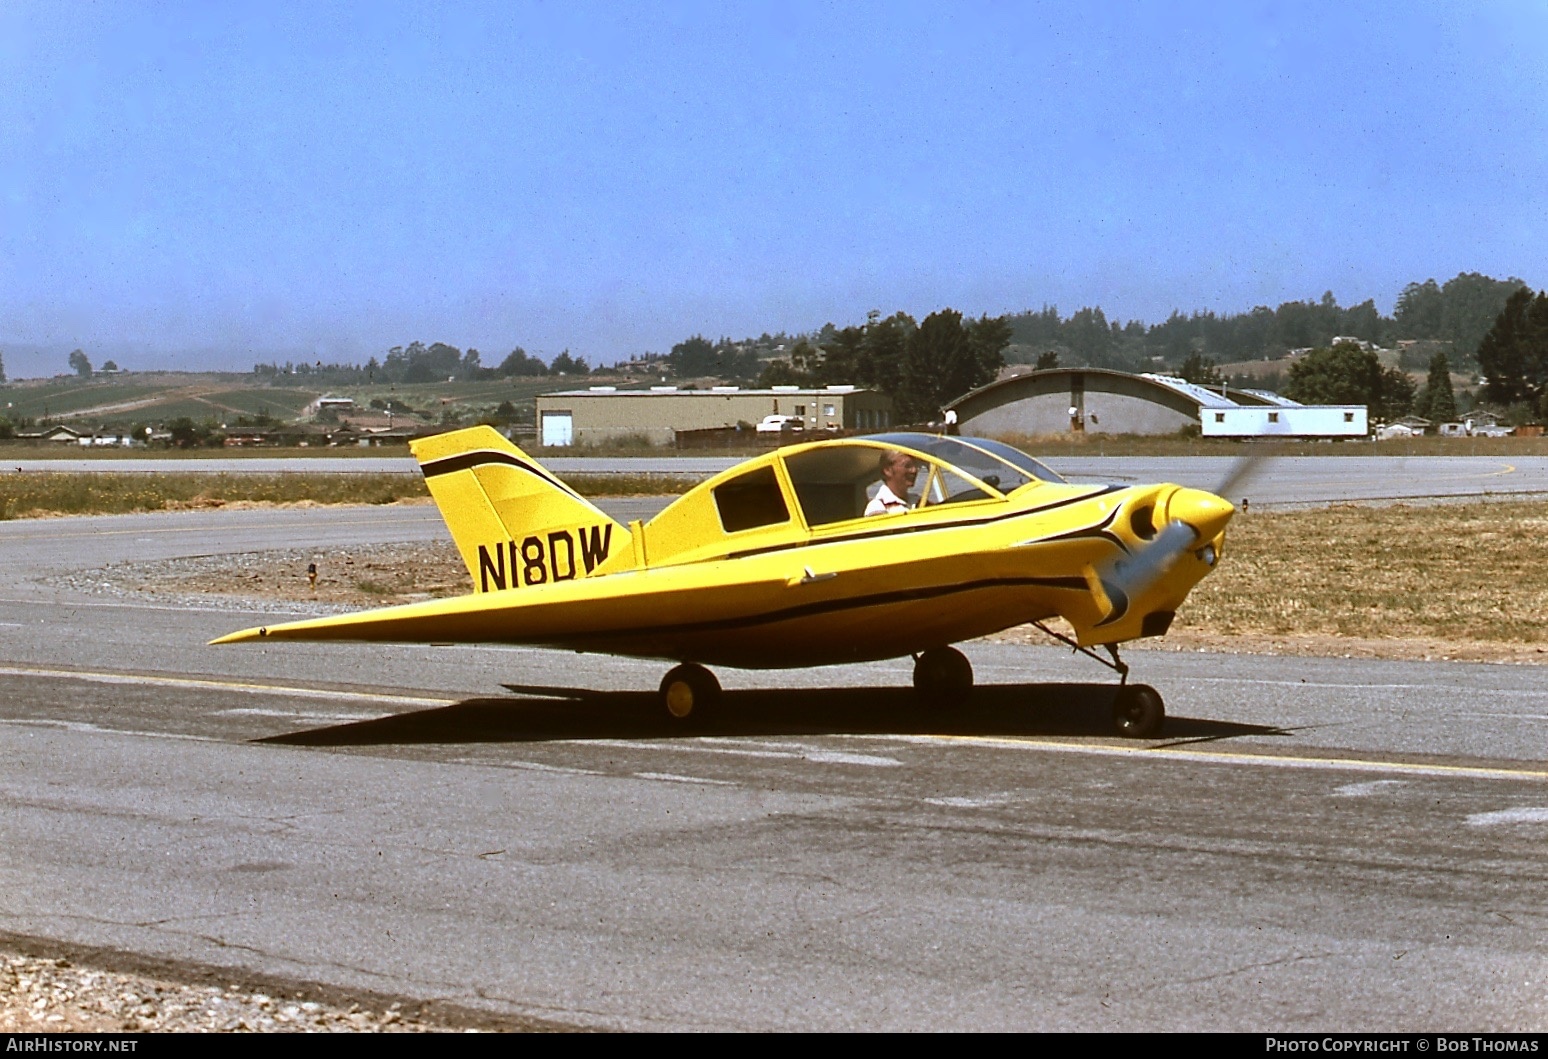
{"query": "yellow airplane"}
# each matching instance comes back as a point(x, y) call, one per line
point(775, 564)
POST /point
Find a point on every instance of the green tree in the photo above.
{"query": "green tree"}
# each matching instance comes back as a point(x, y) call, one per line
point(841, 354)
point(1419, 311)
point(1437, 402)
point(1047, 360)
point(945, 359)
point(80, 364)
point(564, 364)
point(186, 434)
point(472, 369)
point(1348, 373)
point(518, 363)
point(689, 358)
point(780, 373)
point(987, 338)
point(1396, 396)
point(1514, 352)
point(1088, 337)
point(109, 365)
point(1201, 371)
point(880, 364)
point(1472, 303)
point(2, 367)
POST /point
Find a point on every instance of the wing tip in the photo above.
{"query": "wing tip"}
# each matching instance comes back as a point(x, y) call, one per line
point(244, 636)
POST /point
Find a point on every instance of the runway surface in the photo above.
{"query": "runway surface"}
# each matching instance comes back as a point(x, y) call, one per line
point(1315, 844)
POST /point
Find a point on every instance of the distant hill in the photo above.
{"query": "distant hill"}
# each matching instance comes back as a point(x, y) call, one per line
point(119, 401)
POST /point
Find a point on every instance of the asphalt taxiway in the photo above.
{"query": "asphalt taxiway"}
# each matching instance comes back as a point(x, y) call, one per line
point(1315, 844)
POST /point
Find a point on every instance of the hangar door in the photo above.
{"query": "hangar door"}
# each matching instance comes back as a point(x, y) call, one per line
point(558, 429)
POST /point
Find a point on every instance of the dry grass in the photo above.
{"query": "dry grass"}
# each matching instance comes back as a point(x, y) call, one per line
point(42, 493)
point(45, 493)
point(1453, 573)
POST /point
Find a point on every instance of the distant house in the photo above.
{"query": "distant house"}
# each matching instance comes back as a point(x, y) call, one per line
point(1483, 424)
point(64, 435)
point(1407, 427)
point(336, 404)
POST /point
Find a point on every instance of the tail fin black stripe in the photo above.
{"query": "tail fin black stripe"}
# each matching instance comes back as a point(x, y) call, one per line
point(466, 461)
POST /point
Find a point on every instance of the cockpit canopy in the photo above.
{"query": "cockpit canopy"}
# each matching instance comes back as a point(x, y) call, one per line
point(807, 488)
point(834, 482)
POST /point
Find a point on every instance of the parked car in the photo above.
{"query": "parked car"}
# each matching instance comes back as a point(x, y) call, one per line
point(776, 424)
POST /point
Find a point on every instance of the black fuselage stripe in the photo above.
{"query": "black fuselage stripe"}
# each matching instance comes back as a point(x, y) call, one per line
point(809, 610)
point(892, 531)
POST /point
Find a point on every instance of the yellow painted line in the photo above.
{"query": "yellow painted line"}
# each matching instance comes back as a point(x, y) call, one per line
point(224, 685)
point(1177, 753)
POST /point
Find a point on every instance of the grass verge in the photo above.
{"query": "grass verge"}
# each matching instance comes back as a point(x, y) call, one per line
point(45, 493)
point(1461, 573)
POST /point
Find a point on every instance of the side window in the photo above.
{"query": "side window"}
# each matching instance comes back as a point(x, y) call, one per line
point(831, 482)
point(751, 500)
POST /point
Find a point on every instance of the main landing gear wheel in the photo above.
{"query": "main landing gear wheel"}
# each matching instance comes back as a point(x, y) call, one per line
point(1138, 711)
point(943, 675)
point(689, 692)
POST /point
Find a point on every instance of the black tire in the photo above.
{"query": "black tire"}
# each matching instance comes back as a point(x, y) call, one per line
point(689, 693)
point(1138, 711)
point(943, 676)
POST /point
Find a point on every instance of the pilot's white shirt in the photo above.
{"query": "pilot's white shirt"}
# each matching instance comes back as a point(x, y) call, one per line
point(886, 502)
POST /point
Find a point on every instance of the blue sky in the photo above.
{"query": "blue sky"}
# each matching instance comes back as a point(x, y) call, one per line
point(192, 185)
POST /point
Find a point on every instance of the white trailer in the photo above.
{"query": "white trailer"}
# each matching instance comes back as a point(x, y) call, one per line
point(1289, 421)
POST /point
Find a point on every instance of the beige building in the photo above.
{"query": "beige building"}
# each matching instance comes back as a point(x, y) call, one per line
point(606, 414)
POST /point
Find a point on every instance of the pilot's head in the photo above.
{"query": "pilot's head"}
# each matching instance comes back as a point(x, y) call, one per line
point(898, 471)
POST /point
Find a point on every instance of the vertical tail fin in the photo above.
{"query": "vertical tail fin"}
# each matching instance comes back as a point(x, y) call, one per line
point(514, 522)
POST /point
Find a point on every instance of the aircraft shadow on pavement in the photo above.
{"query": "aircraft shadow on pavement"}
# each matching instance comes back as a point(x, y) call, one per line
point(549, 713)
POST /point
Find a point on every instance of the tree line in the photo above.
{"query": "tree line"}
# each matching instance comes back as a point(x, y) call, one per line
point(419, 363)
point(923, 366)
point(1512, 353)
point(1458, 313)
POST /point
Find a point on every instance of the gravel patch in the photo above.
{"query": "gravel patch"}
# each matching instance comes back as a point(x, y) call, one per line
point(39, 994)
point(279, 581)
point(52, 987)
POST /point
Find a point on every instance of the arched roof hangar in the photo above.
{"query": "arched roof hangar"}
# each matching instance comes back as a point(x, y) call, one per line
point(1099, 400)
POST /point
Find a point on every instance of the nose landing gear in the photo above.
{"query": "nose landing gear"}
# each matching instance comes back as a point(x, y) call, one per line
point(1138, 711)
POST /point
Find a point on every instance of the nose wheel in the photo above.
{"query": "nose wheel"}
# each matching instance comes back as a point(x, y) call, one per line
point(1138, 711)
point(689, 692)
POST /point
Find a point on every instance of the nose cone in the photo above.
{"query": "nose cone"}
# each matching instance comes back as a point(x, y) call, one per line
point(1205, 512)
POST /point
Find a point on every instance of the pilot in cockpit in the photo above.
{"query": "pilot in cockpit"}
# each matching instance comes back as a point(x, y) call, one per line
point(898, 471)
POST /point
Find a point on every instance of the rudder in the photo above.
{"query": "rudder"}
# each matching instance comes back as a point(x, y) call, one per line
point(514, 523)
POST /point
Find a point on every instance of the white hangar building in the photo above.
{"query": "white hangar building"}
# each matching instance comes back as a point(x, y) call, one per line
point(1098, 400)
